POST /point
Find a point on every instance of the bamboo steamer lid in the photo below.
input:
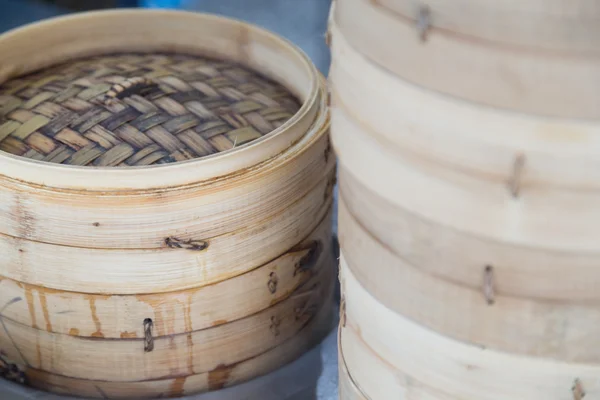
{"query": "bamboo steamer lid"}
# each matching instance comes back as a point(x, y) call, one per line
point(547, 83)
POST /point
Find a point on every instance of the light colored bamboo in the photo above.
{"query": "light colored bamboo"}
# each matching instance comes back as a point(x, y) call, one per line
point(492, 211)
point(568, 26)
point(565, 330)
point(537, 82)
point(458, 135)
point(154, 271)
point(347, 387)
point(46, 43)
point(121, 316)
point(220, 377)
point(126, 360)
point(412, 356)
point(437, 249)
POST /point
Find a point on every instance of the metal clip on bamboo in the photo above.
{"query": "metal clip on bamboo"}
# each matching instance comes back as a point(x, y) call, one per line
point(167, 193)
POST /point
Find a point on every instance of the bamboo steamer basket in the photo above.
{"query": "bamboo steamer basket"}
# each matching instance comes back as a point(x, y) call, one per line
point(545, 82)
point(150, 270)
point(388, 353)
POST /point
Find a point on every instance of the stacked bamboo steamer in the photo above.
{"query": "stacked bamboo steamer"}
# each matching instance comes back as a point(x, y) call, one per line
point(164, 210)
point(469, 152)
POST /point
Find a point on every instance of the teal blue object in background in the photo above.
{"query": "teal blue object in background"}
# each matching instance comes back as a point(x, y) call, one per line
point(161, 3)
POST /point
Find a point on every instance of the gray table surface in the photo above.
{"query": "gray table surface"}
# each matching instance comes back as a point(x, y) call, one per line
point(314, 375)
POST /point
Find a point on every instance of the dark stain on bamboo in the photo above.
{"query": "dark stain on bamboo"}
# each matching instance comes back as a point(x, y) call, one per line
point(219, 377)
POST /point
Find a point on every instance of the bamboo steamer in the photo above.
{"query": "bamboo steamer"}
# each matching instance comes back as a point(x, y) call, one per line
point(547, 328)
point(428, 365)
point(469, 137)
point(494, 211)
point(548, 82)
point(165, 213)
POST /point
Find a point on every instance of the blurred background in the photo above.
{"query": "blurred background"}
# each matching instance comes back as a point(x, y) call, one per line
point(301, 21)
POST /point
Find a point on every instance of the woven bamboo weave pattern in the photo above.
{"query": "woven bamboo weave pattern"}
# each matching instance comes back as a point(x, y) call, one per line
point(138, 109)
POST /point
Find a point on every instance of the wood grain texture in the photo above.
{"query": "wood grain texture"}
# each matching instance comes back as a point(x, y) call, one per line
point(541, 218)
point(347, 387)
point(564, 330)
point(474, 139)
point(141, 271)
point(40, 45)
point(439, 250)
point(144, 219)
point(220, 377)
point(121, 316)
point(510, 78)
point(566, 26)
point(124, 360)
point(452, 368)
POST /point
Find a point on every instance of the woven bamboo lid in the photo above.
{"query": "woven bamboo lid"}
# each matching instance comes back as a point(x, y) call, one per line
point(160, 35)
point(138, 109)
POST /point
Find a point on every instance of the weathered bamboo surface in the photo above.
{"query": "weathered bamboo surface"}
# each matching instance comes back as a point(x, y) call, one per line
point(120, 316)
point(165, 280)
point(189, 353)
point(477, 140)
point(429, 365)
point(565, 330)
point(153, 271)
point(46, 43)
point(566, 26)
point(507, 77)
point(220, 377)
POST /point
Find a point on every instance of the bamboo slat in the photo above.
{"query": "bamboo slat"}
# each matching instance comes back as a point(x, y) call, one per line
point(144, 219)
point(519, 271)
point(347, 387)
point(220, 377)
point(502, 76)
point(475, 139)
point(379, 378)
point(492, 211)
point(129, 360)
point(40, 45)
point(141, 271)
point(564, 330)
point(561, 25)
point(452, 368)
point(121, 316)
